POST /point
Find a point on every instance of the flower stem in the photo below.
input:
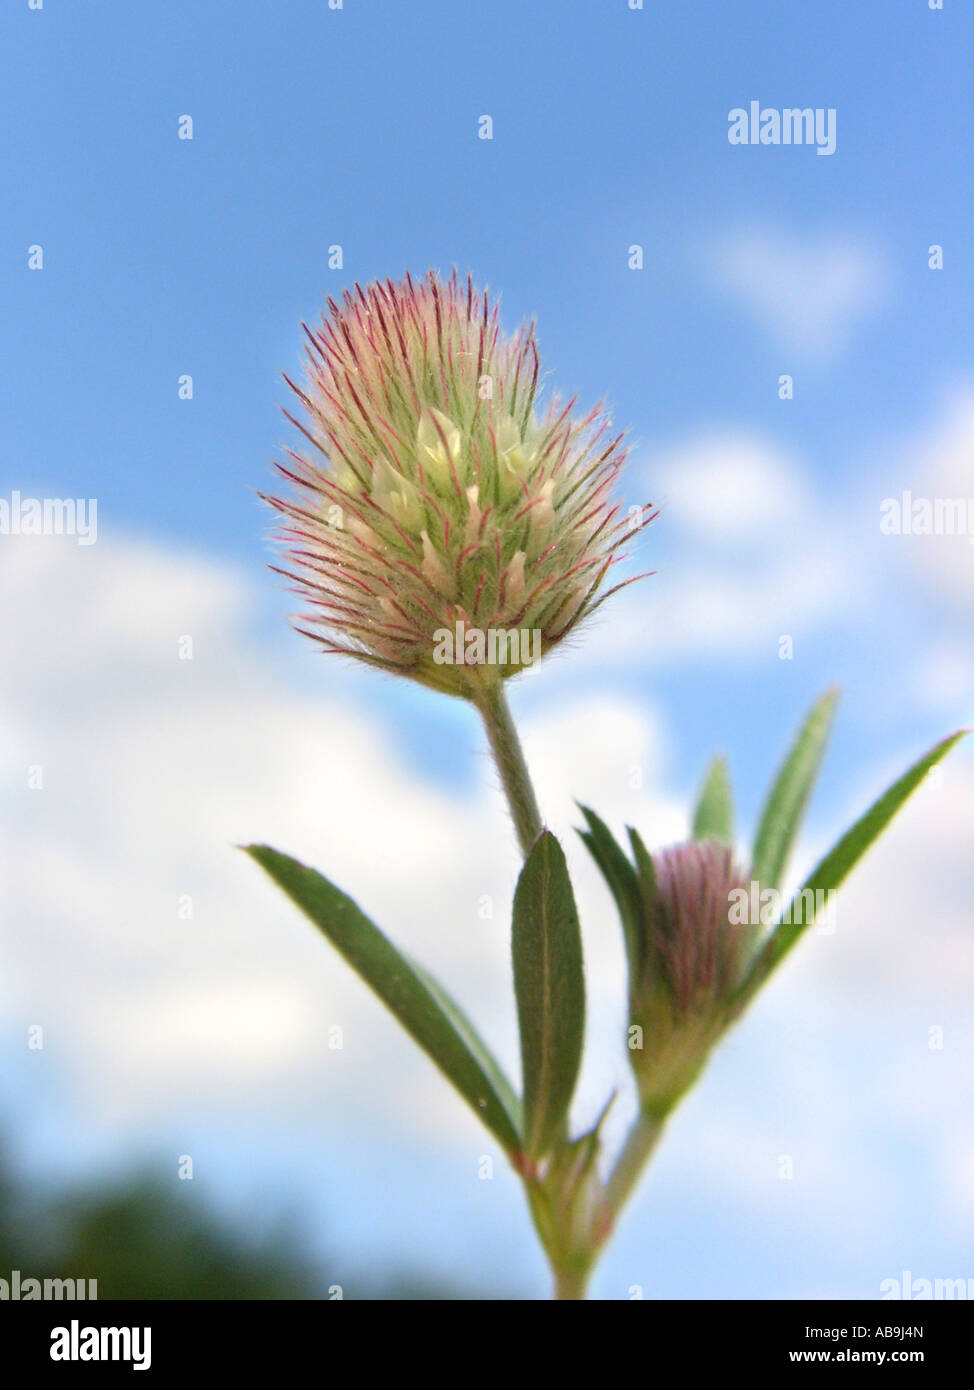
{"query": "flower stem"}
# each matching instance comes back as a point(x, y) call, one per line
point(506, 748)
point(640, 1143)
point(571, 1268)
point(571, 1283)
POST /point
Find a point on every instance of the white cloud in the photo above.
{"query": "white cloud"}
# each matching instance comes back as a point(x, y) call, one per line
point(750, 554)
point(942, 468)
point(943, 678)
point(904, 918)
point(155, 767)
point(728, 484)
point(809, 294)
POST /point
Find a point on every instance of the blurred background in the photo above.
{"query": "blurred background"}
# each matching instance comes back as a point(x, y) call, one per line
point(198, 1098)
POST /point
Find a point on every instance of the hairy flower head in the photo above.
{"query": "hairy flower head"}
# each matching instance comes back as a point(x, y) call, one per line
point(436, 497)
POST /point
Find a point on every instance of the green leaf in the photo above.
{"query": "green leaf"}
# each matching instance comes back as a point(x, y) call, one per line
point(646, 873)
point(422, 1007)
point(623, 882)
point(831, 871)
point(646, 877)
point(789, 795)
point(714, 816)
point(550, 988)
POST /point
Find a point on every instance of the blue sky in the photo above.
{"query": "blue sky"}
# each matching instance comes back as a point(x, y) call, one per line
point(359, 127)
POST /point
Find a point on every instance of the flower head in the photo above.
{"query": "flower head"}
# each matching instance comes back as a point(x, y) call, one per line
point(694, 956)
point(436, 499)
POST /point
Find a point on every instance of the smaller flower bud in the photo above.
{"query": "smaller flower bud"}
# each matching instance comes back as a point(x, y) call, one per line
point(542, 513)
point(396, 495)
point(439, 449)
point(693, 958)
point(514, 458)
point(514, 578)
point(434, 569)
point(474, 515)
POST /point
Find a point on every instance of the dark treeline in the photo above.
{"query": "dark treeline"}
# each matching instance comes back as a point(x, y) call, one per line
point(141, 1239)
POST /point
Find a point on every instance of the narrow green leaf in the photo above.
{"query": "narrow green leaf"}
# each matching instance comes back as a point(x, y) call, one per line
point(789, 795)
point(645, 871)
point(622, 880)
point(646, 876)
point(550, 987)
point(830, 872)
point(714, 816)
point(422, 1007)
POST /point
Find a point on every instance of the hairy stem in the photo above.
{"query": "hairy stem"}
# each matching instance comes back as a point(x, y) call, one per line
point(571, 1268)
point(640, 1143)
point(506, 748)
point(571, 1283)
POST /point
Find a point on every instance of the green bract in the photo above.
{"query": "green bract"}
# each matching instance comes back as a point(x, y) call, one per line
point(697, 948)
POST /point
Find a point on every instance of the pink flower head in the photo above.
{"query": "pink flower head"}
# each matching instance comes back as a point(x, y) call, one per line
point(694, 954)
point(435, 494)
point(695, 948)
